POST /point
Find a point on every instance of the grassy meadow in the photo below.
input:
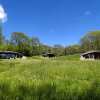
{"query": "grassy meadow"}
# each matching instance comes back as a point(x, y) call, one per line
point(61, 78)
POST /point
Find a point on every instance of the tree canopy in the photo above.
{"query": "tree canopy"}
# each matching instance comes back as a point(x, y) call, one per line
point(91, 41)
point(31, 46)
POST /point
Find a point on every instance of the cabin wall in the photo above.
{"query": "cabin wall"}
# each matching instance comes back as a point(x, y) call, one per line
point(90, 56)
point(8, 55)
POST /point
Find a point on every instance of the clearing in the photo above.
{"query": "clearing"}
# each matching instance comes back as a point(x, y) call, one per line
point(61, 78)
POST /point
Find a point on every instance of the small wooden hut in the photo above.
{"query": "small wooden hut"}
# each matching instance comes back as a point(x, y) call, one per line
point(91, 55)
point(10, 54)
point(50, 55)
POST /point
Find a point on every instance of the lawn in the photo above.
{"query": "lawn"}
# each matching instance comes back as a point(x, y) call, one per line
point(61, 78)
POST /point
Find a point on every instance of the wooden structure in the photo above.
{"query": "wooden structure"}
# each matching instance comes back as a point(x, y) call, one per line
point(10, 54)
point(91, 55)
point(50, 55)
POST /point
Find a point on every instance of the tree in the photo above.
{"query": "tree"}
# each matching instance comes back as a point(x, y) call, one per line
point(72, 49)
point(91, 41)
point(58, 50)
point(22, 42)
point(1, 34)
point(35, 44)
point(44, 49)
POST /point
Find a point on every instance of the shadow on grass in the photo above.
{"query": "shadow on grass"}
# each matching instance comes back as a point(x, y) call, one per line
point(46, 91)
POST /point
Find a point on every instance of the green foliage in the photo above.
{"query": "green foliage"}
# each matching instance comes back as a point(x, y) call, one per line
point(40, 78)
point(74, 49)
point(1, 35)
point(91, 41)
point(20, 42)
point(59, 50)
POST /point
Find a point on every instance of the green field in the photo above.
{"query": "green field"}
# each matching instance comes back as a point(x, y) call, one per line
point(37, 78)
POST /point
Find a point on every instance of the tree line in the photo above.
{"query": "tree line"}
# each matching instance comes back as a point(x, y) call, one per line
point(31, 46)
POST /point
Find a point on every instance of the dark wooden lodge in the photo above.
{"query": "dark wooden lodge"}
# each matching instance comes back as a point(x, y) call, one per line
point(91, 55)
point(10, 54)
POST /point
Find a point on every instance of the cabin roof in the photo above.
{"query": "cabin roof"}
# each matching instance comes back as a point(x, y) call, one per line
point(47, 53)
point(11, 52)
point(89, 52)
point(50, 53)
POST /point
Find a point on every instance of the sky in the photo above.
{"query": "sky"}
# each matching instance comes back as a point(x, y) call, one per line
point(52, 21)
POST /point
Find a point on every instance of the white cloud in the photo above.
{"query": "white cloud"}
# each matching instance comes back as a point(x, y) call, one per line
point(3, 14)
point(87, 13)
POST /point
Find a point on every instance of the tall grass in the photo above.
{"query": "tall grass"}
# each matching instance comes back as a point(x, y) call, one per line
point(49, 79)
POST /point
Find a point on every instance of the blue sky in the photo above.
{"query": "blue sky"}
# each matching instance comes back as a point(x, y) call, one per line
point(53, 21)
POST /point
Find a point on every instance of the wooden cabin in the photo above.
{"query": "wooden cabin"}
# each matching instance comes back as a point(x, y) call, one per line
point(50, 55)
point(10, 54)
point(90, 55)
